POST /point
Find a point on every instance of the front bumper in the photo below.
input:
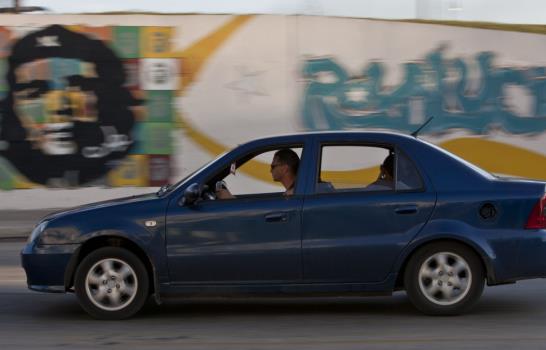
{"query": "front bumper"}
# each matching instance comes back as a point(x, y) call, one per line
point(46, 265)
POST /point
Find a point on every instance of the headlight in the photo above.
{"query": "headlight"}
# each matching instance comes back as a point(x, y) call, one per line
point(36, 232)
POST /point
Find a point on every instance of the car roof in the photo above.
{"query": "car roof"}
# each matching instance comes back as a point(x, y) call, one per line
point(335, 136)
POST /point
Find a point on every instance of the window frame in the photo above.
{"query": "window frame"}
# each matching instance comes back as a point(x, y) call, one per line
point(387, 146)
point(247, 156)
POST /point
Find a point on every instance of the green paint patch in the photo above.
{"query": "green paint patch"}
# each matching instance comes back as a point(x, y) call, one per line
point(126, 41)
point(153, 138)
point(159, 106)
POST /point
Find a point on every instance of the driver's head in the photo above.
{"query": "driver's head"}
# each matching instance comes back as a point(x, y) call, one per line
point(285, 163)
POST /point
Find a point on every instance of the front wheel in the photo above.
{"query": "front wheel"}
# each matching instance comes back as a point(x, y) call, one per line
point(444, 279)
point(111, 283)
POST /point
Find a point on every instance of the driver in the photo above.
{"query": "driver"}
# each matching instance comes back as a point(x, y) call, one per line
point(284, 169)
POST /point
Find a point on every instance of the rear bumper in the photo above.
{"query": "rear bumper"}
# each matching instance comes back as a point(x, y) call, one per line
point(45, 266)
point(532, 255)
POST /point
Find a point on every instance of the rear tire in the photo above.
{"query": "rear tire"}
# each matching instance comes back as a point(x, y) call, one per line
point(111, 283)
point(444, 279)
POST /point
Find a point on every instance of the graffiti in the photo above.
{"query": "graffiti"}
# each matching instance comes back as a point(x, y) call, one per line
point(435, 86)
point(79, 103)
point(56, 130)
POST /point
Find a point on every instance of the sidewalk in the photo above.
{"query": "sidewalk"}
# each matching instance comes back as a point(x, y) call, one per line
point(18, 224)
point(20, 210)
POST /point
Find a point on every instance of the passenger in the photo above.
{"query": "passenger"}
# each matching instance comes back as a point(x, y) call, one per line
point(385, 180)
point(284, 169)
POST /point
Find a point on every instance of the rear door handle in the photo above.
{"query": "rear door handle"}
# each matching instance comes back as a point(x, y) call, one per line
point(406, 209)
point(276, 217)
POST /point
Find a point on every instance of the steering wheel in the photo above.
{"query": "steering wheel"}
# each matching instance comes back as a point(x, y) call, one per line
point(210, 194)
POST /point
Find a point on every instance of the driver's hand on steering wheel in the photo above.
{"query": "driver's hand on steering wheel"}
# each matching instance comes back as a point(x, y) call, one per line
point(224, 194)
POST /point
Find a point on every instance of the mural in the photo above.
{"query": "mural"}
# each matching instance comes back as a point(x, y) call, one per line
point(434, 87)
point(105, 106)
point(87, 106)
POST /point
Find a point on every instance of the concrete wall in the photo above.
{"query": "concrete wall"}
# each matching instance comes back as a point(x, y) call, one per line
point(230, 79)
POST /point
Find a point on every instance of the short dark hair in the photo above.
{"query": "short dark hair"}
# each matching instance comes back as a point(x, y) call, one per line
point(288, 157)
point(388, 164)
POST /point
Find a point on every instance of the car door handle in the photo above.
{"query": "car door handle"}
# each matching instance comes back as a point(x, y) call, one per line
point(406, 209)
point(276, 217)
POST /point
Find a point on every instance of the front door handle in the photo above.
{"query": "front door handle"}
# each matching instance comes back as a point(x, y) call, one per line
point(276, 217)
point(406, 209)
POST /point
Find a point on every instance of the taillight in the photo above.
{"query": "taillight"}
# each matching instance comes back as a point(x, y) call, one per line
point(537, 219)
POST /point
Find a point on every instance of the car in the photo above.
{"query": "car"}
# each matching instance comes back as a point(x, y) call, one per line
point(357, 223)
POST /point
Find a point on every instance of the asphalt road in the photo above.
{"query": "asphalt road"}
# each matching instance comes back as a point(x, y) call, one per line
point(507, 317)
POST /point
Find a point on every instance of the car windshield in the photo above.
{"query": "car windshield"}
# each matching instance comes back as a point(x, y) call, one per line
point(169, 188)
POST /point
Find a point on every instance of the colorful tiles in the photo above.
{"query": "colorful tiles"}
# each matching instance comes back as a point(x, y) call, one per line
point(61, 93)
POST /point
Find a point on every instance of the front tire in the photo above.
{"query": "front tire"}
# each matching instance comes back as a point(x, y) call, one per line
point(111, 283)
point(444, 279)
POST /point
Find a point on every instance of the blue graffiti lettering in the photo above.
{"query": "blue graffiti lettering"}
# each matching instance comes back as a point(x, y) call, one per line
point(434, 86)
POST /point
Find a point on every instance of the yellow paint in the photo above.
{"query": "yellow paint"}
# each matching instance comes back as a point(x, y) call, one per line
point(20, 182)
point(75, 28)
point(498, 157)
point(133, 171)
point(195, 56)
point(351, 178)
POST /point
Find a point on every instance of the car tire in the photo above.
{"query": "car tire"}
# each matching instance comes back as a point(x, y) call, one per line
point(444, 279)
point(111, 283)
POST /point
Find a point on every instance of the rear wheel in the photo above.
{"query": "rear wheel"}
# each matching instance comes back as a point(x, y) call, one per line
point(111, 283)
point(444, 279)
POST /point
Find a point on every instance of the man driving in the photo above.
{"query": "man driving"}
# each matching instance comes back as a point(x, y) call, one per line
point(284, 169)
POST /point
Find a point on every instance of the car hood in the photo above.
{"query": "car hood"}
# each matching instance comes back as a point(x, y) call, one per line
point(102, 204)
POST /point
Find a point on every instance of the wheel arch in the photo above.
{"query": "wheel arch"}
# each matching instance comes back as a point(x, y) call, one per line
point(97, 242)
point(480, 253)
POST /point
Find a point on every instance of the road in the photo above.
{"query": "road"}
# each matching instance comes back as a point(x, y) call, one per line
point(507, 317)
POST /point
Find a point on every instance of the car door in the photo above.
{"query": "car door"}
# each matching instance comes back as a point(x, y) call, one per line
point(353, 229)
point(248, 239)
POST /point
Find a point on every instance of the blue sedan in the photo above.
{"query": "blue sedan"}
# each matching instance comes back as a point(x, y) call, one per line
point(364, 213)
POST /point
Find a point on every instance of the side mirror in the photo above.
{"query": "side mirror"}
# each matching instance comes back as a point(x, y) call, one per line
point(191, 194)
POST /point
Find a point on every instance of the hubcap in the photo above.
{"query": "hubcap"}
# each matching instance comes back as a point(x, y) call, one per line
point(111, 284)
point(445, 278)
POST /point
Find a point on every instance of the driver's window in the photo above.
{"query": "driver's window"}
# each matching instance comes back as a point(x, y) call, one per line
point(273, 171)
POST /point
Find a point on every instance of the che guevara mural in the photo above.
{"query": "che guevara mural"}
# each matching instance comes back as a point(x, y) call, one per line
point(67, 113)
point(87, 108)
point(141, 105)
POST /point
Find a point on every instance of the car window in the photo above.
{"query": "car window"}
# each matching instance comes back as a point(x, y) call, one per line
point(366, 168)
point(407, 176)
point(355, 168)
point(255, 175)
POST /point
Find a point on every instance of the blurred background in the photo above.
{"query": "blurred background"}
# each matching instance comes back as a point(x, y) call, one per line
point(104, 99)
